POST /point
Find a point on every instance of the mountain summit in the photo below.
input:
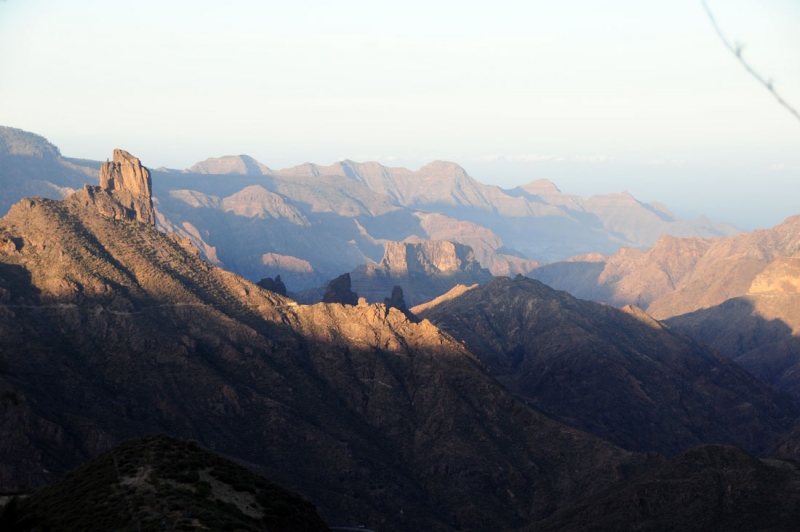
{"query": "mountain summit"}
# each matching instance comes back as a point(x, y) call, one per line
point(129, 183)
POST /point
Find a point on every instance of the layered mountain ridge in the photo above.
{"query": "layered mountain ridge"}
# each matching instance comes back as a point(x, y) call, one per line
point(110, 329)
point(311, 223)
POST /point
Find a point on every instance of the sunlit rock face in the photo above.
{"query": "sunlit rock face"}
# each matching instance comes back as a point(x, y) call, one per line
point(129, 183)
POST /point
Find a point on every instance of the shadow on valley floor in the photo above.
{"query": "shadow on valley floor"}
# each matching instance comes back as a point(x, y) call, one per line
point(769, 348)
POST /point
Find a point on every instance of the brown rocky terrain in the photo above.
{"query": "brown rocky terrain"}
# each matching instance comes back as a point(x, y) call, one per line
point(707, 488)
point(617, 373)
point(128, 182)
point(677, 275)
point(110, 329)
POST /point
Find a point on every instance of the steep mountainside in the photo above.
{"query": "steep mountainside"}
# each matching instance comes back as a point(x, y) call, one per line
point(677, 275)
point(739, 294)
point(160, 483)
point(110, 329)
point(760, 329)
point(707, 488)
point(616, 373)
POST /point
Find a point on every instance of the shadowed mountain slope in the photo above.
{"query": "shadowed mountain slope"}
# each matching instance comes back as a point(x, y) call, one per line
point(110, 329)
point(706, 488)
point(740, 294)
point(616, 373)
point(160, 483)
point(759, 331)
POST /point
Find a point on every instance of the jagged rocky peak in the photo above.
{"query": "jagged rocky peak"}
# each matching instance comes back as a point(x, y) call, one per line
point(129, 183)
point(338, 291)
point(398, 301)
point(273, 285)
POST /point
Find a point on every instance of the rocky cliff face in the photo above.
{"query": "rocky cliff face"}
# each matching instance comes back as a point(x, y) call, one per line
point(129, 183)
point(424, 270)
point(338, 291)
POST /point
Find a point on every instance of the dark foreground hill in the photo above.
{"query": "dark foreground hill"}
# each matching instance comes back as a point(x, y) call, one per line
point(616, 373)
point(160, 483)
point(110, 329)
point(709, 488)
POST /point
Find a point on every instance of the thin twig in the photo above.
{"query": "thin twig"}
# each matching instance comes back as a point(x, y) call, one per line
point(737, 51)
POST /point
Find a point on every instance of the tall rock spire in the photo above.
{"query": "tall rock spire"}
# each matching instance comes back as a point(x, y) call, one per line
point(129, 183)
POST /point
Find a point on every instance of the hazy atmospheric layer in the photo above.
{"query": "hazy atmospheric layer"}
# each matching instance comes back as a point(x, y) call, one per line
point(598, 97)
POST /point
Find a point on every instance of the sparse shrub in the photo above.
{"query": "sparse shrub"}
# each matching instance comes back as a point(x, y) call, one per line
point(153, 478)
point(203, 489)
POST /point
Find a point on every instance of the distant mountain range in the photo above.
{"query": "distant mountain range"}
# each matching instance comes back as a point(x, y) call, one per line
point(529, 408)
point(312, 223)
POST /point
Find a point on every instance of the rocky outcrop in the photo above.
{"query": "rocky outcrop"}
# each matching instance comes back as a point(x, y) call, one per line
point(397, 301)
point(129, 183)
point(338, 291)
point(429, 258)
point(425, 269)
point(273, 285)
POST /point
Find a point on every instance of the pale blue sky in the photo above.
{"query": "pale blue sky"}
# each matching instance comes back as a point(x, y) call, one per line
point(597, 96)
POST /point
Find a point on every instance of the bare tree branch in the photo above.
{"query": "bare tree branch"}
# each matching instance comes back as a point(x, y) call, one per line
point(737, 51)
